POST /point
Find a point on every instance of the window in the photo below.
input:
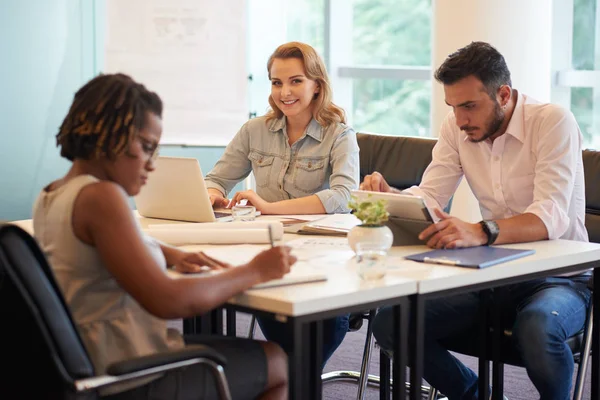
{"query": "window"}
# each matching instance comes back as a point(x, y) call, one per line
point(398, 107)
point(391, 32)
point(270, 24)
point(577, 83)
point(585, 101)
point(379, 66)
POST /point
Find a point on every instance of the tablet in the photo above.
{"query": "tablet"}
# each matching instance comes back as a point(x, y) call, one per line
point(400, 205)
point(409, 215)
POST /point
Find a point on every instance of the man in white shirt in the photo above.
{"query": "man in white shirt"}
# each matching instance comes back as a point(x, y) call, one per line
point(522, 160)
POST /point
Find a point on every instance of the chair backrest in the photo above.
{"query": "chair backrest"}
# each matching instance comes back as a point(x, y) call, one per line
point(591, 170)
point(401, 160)
point(40, 343)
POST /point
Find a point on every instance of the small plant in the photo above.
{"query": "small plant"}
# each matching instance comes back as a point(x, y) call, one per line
point(368, 211)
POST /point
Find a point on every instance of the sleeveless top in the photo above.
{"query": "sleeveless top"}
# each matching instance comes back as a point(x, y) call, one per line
point(112, 324)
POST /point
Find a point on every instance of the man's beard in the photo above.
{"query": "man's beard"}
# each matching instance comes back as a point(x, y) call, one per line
point(495, 122)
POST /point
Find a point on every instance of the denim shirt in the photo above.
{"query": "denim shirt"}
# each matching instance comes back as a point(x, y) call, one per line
point(324, 161)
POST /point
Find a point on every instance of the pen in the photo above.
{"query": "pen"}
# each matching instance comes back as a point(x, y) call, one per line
point(443, 261)
point(270, 227)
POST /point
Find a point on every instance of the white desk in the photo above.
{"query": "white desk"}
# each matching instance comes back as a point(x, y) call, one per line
point(303, 305)
point(552, 258)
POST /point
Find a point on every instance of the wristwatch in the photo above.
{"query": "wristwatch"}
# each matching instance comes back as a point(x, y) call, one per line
point(491, 229)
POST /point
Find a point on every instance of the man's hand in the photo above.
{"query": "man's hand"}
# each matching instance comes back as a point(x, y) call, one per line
point(375, 183)
point(253, 199)
point(217, 200)
point(451, 233)
point(198, 262)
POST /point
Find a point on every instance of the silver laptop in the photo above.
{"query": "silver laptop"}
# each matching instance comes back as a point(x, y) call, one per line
point(176, 190)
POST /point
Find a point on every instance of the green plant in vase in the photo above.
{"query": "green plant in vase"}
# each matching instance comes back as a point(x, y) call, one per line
point(368, 211)
point(373, 214)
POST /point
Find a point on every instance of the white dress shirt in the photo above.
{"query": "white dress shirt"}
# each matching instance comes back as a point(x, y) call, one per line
point(535, 167)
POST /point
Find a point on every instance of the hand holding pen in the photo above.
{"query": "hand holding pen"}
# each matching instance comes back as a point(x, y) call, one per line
point(275, 262)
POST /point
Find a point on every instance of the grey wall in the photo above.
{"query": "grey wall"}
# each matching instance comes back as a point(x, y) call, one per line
point(48, 49)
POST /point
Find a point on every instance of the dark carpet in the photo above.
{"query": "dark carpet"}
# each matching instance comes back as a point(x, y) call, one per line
point(349, 355)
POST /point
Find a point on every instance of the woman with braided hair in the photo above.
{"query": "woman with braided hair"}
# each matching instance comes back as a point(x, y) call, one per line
point(112, 275)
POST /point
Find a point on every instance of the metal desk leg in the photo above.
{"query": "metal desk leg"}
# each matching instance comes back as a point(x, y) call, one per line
point(209, 323)
point(231, 322)
point(384, 373)
point(189, 326)
point(316, 360)
point(484, 365)
point(497, 339)
point(596, 340)
point(415, 351)
point(299, 359)
point(305, 360)
point(400, 349)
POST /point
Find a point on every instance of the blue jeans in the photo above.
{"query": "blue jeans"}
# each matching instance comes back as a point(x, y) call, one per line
point(334, 331)
point(543, 313)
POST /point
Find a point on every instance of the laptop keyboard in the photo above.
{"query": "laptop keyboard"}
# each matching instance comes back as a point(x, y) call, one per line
point(222, 214)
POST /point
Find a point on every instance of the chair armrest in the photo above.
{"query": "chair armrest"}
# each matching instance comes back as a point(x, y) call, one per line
point(167, 357)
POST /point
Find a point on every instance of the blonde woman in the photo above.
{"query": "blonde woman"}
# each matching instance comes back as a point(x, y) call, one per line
point(303, 156)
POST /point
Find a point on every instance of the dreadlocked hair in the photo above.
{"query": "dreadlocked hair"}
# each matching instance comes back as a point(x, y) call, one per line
point(106, 114)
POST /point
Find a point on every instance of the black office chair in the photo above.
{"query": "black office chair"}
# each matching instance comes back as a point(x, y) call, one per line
point(580, 344)
point(42, 355)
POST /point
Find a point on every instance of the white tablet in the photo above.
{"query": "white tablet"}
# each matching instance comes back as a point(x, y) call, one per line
point(404, 206)
point(409, 215)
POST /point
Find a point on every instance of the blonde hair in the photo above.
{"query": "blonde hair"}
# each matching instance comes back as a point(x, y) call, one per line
point(324, 111)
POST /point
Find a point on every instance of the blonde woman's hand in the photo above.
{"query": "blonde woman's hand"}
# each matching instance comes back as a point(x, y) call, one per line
point(198, 262)
point(273, 263)
point(217, 200)
point(253, 199)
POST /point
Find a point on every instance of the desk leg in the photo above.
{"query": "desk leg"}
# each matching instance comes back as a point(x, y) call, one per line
point(301, 360)
point(316, 360)
point(484, 334)
point(189, 326)
point(305, 360)
point(400, 349)
point(384, 373)
point(415, 351)
point(596, 339)
point(231, 322)
point(497, 340)
point(210, 324)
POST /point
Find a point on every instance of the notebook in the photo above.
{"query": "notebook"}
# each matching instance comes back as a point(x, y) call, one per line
point(301, 272)
point(294, 277)
point(471, 257)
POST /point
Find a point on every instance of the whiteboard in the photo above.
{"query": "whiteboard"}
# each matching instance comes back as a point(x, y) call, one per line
point(193, 54)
